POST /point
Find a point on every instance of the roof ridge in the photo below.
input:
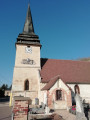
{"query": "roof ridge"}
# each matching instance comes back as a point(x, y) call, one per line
point(67, 60)
point(54, 77)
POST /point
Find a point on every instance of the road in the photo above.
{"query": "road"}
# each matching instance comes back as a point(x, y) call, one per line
point(5, 111)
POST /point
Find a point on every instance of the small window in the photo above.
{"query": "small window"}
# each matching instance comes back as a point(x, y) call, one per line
point(76, 88)
point(58, 94)
point(26, 85)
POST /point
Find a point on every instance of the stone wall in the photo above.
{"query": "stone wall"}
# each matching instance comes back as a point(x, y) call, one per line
point(21, 54)
point(19, 78)
point(31, 95)
point(20, 108)
point(26, 71)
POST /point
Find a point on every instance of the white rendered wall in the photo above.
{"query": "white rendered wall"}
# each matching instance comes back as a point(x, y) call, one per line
point(59, 84)
point(84, 91)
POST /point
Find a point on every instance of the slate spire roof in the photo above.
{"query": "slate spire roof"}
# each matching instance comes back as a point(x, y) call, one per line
point(28, 26)
point(28, 37)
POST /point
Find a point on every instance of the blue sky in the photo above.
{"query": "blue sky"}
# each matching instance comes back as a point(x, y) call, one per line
point(63, 27)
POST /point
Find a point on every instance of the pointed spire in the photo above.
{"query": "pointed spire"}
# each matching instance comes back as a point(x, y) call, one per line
point(28, 37)
point(28, 26)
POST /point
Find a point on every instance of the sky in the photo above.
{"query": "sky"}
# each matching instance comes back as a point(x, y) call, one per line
point(63, 27)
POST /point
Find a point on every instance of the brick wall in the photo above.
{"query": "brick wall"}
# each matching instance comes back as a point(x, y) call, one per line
point(69, 99)
point(61, 104)
point(20, 108)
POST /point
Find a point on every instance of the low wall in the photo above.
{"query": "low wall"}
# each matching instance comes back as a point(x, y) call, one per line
point(20, 108)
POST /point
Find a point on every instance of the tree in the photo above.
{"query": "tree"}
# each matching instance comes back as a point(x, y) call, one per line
point(1, 93)
point(2, 89)
point(84, 59)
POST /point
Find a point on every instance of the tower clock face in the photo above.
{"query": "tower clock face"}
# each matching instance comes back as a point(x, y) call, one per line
point(28, 49)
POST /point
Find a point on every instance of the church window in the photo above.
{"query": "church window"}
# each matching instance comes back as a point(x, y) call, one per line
point(76, 88)
point(58, 94)
point(26, 85)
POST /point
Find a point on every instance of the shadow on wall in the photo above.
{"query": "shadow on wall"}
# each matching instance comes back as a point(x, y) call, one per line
point(43, 61)
point(73, 98)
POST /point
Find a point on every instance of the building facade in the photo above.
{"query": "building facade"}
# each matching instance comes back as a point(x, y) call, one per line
point(51, 81)
point(27, 62)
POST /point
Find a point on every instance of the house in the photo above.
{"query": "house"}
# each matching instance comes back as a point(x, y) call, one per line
point(50, 81)
point(7, 92)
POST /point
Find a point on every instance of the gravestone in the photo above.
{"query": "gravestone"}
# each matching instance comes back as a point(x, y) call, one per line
point(36, 101)
point(45, 99)
point(79, 108)
point(47, 110)
point(88, 115)
point(46, 104)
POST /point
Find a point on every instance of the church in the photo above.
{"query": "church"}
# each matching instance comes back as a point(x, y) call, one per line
point(50, 81)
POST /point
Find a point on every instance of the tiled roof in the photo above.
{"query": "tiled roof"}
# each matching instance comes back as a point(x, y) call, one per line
point(69, 71)
point(52, 82)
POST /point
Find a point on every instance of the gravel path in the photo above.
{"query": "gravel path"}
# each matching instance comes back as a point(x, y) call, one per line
point(66, 115)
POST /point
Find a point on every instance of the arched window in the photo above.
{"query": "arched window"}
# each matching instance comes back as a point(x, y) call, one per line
point(26, 85)
point(76, 88)
point(58, 94)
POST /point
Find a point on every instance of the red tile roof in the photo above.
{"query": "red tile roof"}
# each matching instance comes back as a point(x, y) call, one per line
point(52, 82)
point(69, 71)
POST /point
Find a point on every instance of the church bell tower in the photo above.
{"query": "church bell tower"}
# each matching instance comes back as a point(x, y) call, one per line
point(27, 62)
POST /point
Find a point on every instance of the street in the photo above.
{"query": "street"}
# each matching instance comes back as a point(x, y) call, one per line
point(5, 111)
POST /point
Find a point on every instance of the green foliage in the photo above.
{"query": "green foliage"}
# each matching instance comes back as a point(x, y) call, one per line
point(3, 88)
point(1, 93)
point(84, 59)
